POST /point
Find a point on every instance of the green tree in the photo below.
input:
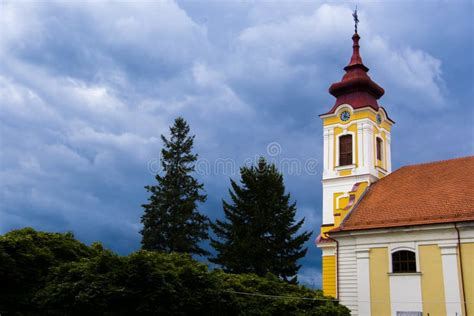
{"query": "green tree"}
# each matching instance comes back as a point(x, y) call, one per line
point(171, 220)
point(154, 283)
point(54, 274)
point(26, 257)
point(251, 295)
point(259, 234)
point(143, 283)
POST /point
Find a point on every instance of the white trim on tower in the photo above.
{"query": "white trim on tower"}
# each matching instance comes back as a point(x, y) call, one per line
point(389, 152)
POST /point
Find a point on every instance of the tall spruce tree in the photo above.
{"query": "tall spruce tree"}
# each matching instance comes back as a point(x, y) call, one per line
point(171, 221)
point(259, 234)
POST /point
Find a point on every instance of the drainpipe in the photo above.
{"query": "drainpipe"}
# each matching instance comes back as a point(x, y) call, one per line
point(337, 265)
point(460, 265)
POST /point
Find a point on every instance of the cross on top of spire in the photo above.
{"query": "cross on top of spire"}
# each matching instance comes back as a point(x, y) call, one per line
point(356, 19)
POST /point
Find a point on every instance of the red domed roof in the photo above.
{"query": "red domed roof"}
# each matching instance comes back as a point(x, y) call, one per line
point(356, 88)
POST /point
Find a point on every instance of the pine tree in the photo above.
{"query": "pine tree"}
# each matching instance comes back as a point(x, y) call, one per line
point(259, 234)
point(171, 220)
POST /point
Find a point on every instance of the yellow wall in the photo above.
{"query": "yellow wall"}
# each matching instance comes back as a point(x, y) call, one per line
point(360, 190)
point(467, 250)
point(339, 210)
point(329, 275)
point(342, 202)
point(432, 284)
point(360, 114)
point(352, 127)
point(344, 173)
point(325, 229)
point(379, 282)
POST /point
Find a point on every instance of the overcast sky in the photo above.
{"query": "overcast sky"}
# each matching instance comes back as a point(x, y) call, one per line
point(86, 89)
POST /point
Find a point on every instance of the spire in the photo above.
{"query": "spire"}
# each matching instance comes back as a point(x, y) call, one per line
point(355, 58)
point(356, 88)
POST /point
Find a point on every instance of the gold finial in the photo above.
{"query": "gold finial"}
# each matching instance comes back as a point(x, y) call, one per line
point(356, 18)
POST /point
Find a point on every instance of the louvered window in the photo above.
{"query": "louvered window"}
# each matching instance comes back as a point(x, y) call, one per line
point(345, 150)
point(379, 148)
point(403, 261)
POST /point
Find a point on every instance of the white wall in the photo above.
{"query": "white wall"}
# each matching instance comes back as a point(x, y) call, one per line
point(348, 278)
point(405, 293)
point(405, 290)
point(452, 289)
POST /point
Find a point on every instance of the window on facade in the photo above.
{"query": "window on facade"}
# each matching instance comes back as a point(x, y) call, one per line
point(379, 148)
point(403, 261)
point(345, 150)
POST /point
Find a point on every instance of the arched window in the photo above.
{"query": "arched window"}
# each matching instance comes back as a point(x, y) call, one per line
point(345, 150)
point(403, 261)
point(379, 148)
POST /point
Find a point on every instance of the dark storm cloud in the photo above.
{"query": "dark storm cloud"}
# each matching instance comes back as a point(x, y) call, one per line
point(86, 90)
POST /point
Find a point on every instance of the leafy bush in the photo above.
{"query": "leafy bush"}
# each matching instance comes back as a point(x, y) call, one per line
point(69, 278)
point(25, 259)
point(270, 296)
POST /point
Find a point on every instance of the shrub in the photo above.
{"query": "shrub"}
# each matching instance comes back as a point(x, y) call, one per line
point(26, 256)
point(69, 278)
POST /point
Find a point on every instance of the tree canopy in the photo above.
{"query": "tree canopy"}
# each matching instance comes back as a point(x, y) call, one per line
point(26, 256)
point(54, 274)
point(171, 219)
point(259, 234)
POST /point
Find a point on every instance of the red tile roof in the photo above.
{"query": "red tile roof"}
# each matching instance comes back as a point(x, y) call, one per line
point(430, 193)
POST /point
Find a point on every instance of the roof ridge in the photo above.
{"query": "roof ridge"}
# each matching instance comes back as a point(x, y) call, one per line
point(434, 162)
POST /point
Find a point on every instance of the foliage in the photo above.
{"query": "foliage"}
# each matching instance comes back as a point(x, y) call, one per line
point(92, 280)
point(25, 259)
point(270, 296)
point(171, 220)
point(142, 283)
point(259, 234)
point(150, 283)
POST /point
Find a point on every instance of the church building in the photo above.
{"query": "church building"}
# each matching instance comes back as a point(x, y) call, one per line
point(393, 243)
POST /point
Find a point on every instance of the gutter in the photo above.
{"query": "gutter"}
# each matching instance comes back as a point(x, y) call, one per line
point(461, 270)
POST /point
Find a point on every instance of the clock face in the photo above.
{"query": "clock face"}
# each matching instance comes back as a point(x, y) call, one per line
point(345, 115)
point(379, 118)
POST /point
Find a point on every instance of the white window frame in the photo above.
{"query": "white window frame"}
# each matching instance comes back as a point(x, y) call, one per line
point(338, 167)
point(396, 248)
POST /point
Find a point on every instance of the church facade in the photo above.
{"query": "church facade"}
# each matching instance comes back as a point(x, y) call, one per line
point(393, 243)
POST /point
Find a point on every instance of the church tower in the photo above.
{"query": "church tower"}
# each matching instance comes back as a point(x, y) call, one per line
point(356, 152)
